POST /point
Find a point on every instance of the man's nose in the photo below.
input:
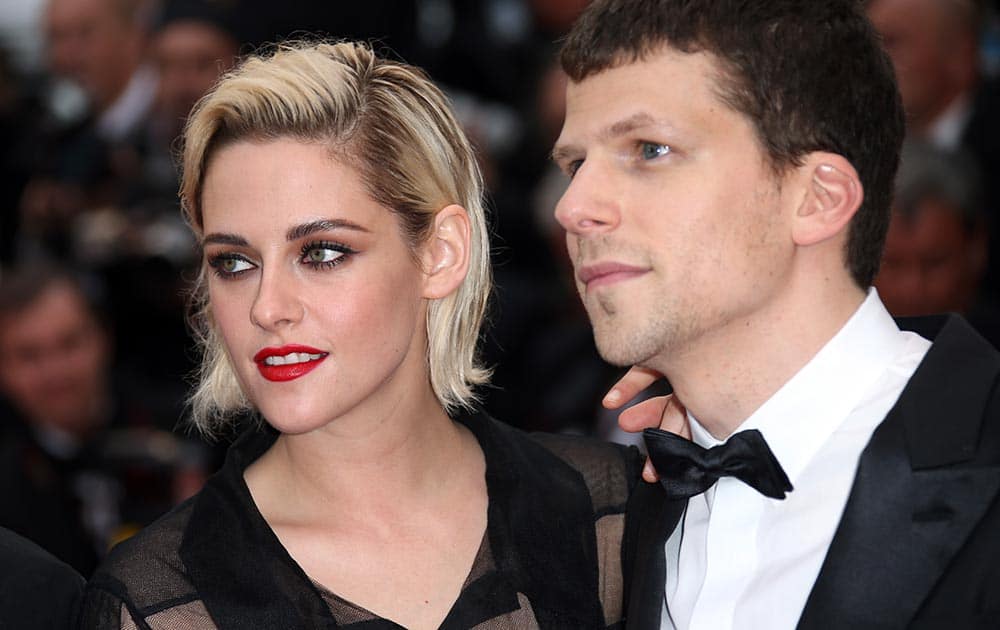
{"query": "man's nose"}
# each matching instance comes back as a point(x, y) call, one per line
point(589, 206)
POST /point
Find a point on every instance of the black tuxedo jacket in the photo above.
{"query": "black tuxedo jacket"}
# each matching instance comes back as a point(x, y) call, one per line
point(918, 545)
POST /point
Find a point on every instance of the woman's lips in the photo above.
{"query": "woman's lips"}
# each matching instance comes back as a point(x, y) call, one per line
point(607, 273)
point(288, 362)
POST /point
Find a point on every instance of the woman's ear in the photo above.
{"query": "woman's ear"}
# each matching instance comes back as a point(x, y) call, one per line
point(446, 254)
point(833, 194)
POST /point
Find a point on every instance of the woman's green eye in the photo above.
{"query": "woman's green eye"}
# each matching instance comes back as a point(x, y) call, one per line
point(231, 265)
point(319, 255)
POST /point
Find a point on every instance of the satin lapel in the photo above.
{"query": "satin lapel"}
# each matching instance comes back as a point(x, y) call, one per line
point(915, 499)
point(658, 518)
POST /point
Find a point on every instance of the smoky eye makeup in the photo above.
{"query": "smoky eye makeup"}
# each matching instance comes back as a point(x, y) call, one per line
point(325, 254)
point(229, 265)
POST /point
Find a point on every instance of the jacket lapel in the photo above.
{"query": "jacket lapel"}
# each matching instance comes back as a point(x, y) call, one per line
point(915, 499)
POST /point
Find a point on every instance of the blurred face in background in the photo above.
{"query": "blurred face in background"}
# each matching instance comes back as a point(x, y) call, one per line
point(933, 261)
point(95, 44)
point(933, 53)
point(54, 358)
point(190, 57)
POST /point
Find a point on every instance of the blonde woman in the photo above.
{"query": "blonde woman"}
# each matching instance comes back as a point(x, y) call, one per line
point(345, 277)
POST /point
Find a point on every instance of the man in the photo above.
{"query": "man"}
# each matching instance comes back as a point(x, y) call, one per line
point(193, 43)
point(87, 151)
point(85, 456)
point(101, 45)
point(936, 249)
point(732, 167)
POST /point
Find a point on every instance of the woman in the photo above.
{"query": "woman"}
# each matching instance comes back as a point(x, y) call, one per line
point(345, 276)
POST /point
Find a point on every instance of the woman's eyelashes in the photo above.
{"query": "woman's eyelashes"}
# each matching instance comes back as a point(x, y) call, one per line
point(229, 265)
point(316, 255)
point(325, 254)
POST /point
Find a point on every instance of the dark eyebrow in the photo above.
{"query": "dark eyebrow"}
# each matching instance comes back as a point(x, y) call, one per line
point(224, 239)
point(628, 125)
point(561, 153)
point(620, 128)
point(322, 225)
point(293, 234)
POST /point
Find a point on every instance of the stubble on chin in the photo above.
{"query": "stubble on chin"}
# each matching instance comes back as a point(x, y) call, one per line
point(624, 340)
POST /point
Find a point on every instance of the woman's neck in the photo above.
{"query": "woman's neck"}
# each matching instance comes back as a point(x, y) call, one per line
point(369, 467)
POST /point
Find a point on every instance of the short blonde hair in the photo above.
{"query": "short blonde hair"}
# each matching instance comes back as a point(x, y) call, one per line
point(391, 123)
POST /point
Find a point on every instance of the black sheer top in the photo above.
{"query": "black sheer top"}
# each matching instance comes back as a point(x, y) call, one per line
point(550, 557)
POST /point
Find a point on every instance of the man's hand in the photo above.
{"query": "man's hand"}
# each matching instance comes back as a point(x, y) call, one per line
point(664, 412)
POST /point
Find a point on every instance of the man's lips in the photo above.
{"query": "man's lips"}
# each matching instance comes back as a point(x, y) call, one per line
point(288, 362)
point(606, 273)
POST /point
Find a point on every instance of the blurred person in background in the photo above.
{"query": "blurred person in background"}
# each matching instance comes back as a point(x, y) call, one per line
point(193, 43)
point(935, 46)
point(86, 456)
point(18, 118)
point(937, 247)
point(100, 45)
point(101, 94)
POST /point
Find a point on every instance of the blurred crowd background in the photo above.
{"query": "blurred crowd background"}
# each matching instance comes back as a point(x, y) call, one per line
point(95, 258)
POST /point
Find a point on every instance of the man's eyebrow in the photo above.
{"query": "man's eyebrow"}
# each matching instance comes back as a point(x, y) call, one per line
point(614, 130)
point(322, 225)
point(563, 152)
point(224, 239)
point(628, 125)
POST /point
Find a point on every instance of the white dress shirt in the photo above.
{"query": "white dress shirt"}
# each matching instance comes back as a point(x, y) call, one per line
point(131, 108)
point(741, 560)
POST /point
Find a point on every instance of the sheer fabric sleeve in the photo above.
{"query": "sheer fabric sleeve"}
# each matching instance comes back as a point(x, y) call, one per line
point(610, 472)
point(103, 610)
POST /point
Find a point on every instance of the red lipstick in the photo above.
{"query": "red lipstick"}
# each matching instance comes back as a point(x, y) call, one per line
point(289, 362)
point(605, 273)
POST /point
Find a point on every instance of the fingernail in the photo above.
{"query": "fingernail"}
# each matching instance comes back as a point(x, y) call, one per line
point(613, 395)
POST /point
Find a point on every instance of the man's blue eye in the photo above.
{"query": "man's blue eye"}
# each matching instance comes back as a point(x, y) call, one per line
point(651, 151)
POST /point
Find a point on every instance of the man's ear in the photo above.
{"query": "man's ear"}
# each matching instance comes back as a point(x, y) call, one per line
point(832, 194)
point(446, 254)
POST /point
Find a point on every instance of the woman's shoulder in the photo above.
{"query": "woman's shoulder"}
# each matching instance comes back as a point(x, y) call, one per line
point(155, 548)
point(141, 574)
point(610, 471)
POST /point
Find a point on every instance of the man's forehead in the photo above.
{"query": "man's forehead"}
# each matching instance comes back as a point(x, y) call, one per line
point(673, 91)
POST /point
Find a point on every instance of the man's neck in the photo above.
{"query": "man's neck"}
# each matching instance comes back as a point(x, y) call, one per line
point(725, 375)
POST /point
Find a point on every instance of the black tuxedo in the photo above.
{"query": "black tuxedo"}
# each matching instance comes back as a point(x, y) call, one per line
point(37, 591)
point(918, 545)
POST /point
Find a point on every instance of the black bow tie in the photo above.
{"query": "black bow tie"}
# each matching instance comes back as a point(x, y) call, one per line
point(687, 469)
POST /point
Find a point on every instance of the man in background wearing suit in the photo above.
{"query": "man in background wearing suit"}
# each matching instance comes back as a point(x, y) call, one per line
point(732, 169)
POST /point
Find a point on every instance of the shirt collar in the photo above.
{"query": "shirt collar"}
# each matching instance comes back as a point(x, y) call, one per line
point(807, 409)
point(946, 130)
point(130, 108)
